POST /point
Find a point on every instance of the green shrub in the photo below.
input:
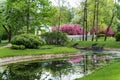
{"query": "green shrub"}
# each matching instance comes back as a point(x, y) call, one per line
point(101, 35)
point(55, 38)
point(0, 39)
point(18, 47)
point(29, 41)
point(117, 36)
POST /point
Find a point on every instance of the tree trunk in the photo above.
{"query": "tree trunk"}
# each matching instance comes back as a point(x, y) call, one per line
point(93, 21)
point(83, 37)
point(111, 21)
point(9, 33)
point(86, 19)
point(9, 37)
point(28, 16)
point(59, 15)
point(97, 7)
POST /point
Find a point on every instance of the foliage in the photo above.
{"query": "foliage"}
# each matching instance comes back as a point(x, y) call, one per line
point(21, 16)
point(101, 35)
point(55, 38)
point(71, 29)
point(117, 36)
point(62, 15)
point(3, 43)
point(29, 41)
point(102, 30)
point(18, 47)
point(0, 39)
point(104, 15)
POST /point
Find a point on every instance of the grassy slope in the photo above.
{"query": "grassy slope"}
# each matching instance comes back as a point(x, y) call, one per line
point(110, 72)
point(110, 43)
point(7, 52)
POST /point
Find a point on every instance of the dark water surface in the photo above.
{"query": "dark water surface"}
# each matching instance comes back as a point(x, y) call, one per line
point(60, 69)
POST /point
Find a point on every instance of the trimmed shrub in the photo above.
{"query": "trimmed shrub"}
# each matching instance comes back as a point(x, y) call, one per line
point(18, 47)
point(101, 35)
point(117, 36)
point(29, 41)
point(55, 38)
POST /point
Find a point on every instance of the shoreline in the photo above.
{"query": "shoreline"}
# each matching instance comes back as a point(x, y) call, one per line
point(15, 59)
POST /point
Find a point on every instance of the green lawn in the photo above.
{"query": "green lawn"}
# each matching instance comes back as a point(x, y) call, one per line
point(7, 52)
point(110, 43)
point(109, 72)
point(107, 44)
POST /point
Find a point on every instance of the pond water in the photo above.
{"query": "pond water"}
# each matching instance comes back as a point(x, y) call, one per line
point(58, 69)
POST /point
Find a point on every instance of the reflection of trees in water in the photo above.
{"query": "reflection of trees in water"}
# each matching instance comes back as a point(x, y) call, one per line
point(0, 76)
point(29, 71)
point(35, 70)
point(58, 68)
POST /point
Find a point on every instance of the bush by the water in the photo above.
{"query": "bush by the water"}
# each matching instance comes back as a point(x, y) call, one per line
point(117, 36)
point(55, 38)
point(29, 41)
point(18, 47)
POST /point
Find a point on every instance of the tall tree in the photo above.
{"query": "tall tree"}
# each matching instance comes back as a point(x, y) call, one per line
point(85, 19)
point(24, 15)
point(97, 20)
point(94, 14)
point(102, 16)
point(111, 21)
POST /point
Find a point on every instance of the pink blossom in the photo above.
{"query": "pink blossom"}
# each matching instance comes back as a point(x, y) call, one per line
point(76, 59)
point(71, 29)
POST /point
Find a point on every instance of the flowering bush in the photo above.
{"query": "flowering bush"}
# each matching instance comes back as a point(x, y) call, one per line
point(71, 29)
point(110, 32)
point(103, 31)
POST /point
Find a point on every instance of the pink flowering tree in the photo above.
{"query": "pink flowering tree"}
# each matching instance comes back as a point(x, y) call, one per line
point(103, 31)
point(71, 29)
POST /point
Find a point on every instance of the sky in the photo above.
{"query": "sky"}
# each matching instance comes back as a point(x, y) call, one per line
point(72, 3)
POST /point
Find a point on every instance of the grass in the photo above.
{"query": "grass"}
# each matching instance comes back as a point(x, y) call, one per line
point(7, 52)
point(109, 72)
point(110, 43)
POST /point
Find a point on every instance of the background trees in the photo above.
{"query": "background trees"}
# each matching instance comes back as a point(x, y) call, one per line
point(21, 16)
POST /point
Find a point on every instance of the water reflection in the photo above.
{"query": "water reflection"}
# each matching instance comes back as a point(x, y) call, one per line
point(49, 70)
point(66, 69)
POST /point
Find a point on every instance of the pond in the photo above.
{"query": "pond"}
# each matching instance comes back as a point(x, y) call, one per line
point(57, 69)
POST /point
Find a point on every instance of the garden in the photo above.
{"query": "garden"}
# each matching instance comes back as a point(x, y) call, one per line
point(56, 40)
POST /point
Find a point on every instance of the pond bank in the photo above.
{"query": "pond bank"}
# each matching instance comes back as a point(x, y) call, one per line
point(15, 59)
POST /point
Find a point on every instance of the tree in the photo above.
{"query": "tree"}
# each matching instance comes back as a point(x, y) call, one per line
point(102, 13)
point(111, 21)
point(94, 19)
point(23, 15)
